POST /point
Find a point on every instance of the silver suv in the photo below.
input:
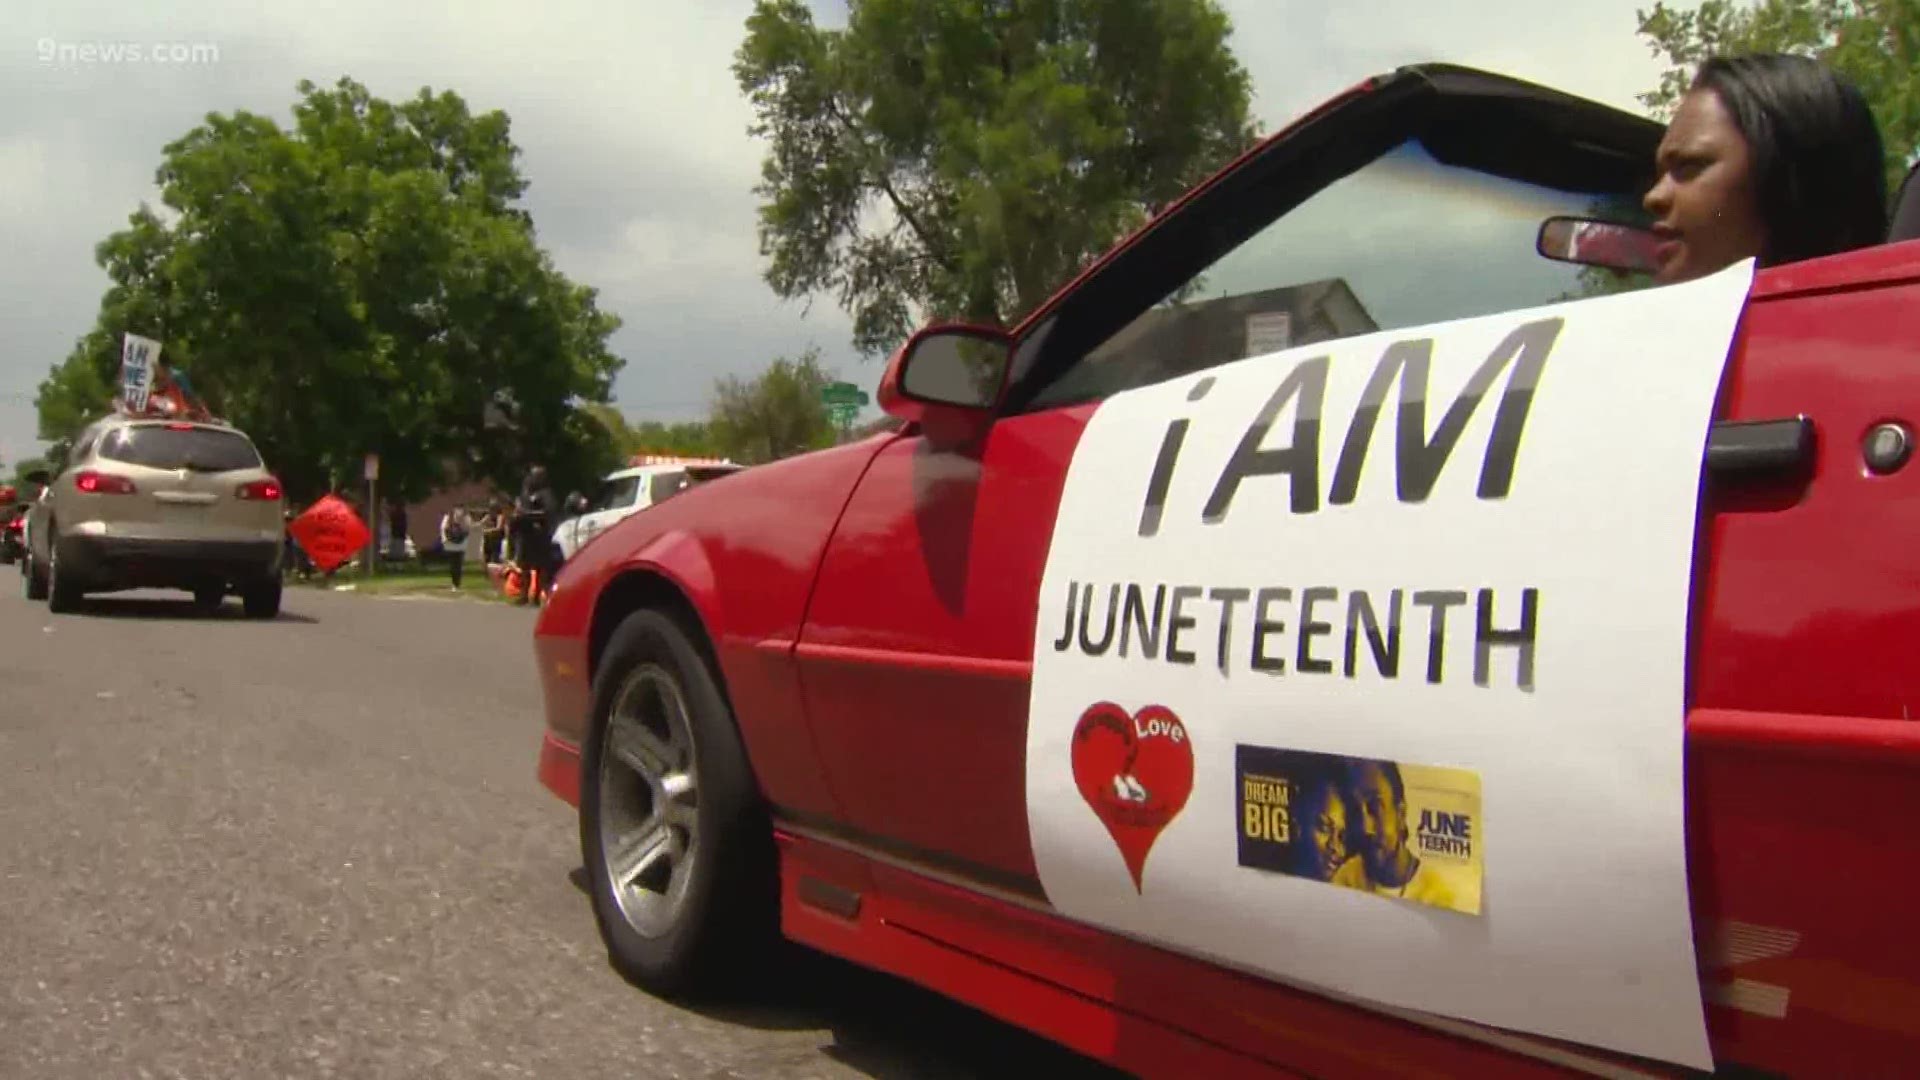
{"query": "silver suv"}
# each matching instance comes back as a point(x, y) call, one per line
point(166, 504)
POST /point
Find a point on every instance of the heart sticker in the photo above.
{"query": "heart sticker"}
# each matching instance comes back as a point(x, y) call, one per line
point(1135, 771)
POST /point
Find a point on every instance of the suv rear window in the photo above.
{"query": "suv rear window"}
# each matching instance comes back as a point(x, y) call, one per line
point(160, 447)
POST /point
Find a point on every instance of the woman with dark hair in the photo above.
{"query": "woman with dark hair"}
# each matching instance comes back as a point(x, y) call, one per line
point(1772, 156)
point(1323, 824)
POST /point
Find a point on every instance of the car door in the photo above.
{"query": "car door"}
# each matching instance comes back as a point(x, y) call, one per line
point(1380, 212)
point(615, 503)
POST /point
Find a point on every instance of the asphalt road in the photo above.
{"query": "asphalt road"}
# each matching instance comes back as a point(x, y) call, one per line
point(316, 848)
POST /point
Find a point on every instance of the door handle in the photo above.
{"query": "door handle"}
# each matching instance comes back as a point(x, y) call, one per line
point(1759, 449)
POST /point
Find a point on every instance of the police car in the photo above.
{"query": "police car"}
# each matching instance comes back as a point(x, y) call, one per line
point(1336, 635)
point(648, 479)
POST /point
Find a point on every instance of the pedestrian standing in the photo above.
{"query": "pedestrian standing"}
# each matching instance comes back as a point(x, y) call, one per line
point(533, 515)
point(397, 526)
point(493, 529)
point(455, 528)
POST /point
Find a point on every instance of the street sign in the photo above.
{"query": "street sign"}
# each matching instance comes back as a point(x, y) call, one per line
point(1268, 332)
point(844, 393)
point(329, 532)
point(844, 413)
point(373, 466)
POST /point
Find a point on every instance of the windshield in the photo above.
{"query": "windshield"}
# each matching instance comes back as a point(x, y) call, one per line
point(165, 447)
point(615, 494)
point(665, 485)
point(1411, 241)
point(1405, 240)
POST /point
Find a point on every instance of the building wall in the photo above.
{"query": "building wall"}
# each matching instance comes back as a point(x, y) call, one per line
point(423, 517)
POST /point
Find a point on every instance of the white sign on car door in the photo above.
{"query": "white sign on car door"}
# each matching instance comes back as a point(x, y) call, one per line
point(1361, 666)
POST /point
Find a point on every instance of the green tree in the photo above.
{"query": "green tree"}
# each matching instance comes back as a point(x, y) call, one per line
point(874, 427)
point(774, 415)
point(686, 438)
point(962, 158)
point(26, 465)
point(362, 281)
point(1875, 43)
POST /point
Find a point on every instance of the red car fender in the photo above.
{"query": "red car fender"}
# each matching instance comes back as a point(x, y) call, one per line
point(739, 556)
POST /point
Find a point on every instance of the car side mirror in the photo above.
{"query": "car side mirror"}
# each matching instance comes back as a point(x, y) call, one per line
point(38, 476)
point(947, 379)
point(1611, 245)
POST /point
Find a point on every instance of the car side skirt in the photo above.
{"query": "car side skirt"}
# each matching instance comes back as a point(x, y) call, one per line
point(1126, 1003)
point(1002, 950)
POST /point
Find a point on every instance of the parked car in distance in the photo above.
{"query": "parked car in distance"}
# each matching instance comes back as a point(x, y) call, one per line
point(650, 479)
point(13, 523)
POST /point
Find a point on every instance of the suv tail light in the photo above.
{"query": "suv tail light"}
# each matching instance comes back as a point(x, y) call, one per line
point(263, 490)
point(97, 483)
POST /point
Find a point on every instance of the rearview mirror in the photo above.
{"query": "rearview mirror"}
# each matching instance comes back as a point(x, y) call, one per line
point(1607, 244)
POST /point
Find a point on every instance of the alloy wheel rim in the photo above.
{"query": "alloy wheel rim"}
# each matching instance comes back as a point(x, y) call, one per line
point(649, 809)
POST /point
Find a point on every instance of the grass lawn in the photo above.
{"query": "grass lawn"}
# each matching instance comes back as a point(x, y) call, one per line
point(411, 581)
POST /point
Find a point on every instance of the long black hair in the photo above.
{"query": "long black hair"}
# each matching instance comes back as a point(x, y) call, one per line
point(1818, 164)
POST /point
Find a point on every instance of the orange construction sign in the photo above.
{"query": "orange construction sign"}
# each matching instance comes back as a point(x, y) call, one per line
point(329, 532)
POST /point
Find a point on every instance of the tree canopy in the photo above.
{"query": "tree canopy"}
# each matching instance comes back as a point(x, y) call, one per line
point(685, 438)
point(776, 414)
point(18, 475)
point(962, 158)
point(361, 281)
point(1875, 43)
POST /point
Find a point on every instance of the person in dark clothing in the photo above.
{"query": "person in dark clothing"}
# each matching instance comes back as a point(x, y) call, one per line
point(533, 532)
point(397, 528)
point(455, 529)
point(493, 532)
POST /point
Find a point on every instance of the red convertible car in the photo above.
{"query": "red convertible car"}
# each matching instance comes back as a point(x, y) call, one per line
point(794, 703)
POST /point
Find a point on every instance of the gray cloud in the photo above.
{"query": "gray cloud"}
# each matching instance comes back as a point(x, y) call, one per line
point(633, 133)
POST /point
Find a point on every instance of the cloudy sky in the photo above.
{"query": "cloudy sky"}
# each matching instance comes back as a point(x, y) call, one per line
point(633, 133)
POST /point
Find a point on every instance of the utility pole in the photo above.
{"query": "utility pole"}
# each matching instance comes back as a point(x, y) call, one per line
point(373, 515)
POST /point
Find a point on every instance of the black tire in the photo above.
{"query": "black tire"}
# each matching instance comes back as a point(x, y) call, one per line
point(63, 593)
point(33, 577)
point(209, 597)
point(728, 924)
point(262, 601)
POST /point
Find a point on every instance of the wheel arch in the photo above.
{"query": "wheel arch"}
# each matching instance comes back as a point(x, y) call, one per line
point(640, 588)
